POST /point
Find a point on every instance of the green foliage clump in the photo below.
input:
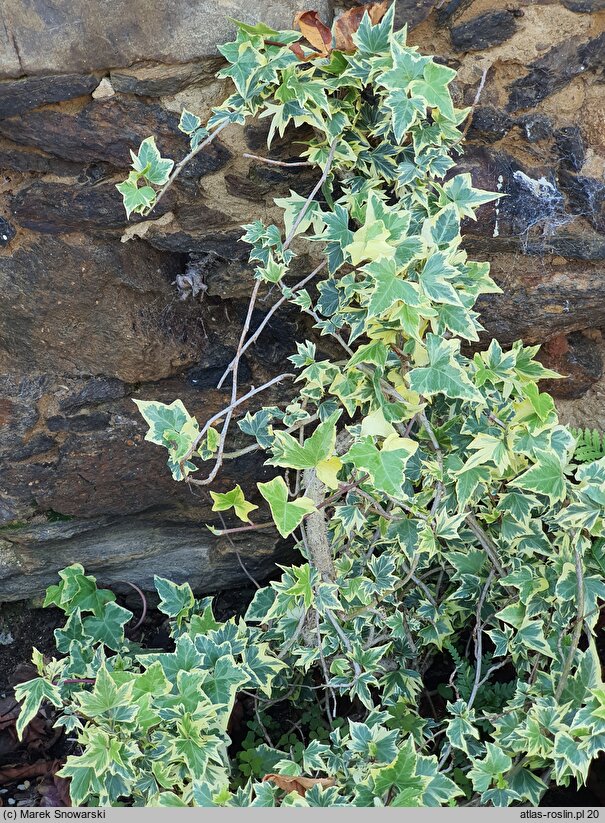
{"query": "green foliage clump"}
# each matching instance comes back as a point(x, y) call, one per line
point(590, 445)
point(433, 496)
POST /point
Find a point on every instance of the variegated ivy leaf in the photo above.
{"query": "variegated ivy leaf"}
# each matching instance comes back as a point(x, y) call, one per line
point(443, 375)
point(287, 515)
point(443, 229)
point(163, 419)
point(175, 600)
point(386, 466)
point(374, 39)
point(390, 287)
point(407, 67)
point(433, 88)
point(400, 778)
point(405, 111)
point(461, 729)
point(32, 694)
point(293, 206)
point(189, 122)
point(489, 769)
point(235, 499)
point(370, 242)
point(108, 628)
point(459, 191)
point(149, 163)
point(137, 199)
point(107, 698)
point(546, 477)
point(261, 666)
point(316, 449)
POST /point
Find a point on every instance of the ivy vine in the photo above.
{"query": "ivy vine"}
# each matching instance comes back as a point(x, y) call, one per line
point(431, 493)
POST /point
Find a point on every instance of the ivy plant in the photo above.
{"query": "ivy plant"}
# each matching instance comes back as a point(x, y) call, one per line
point(441, 521)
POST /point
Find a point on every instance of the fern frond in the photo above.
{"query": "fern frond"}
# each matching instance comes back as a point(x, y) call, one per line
point(590, 445)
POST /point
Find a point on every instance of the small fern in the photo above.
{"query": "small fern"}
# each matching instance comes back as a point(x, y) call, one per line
point(590, 445)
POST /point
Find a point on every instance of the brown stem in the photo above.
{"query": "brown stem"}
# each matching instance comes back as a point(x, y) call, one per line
point(143, 601)
point(267, 317)
point(231, 408)
point(180, 166)
point(577, 632)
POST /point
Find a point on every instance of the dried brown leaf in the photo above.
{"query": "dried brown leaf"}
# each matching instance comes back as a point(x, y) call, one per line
point(11, 774)
point(54, 791)
point(288, 783)
point(348, 23)
point(298, 51)
point(314, 31)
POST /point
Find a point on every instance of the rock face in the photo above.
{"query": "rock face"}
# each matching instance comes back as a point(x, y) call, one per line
point(89, 322)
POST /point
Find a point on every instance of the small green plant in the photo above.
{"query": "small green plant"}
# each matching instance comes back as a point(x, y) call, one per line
point(433, 496)
point(590, 445)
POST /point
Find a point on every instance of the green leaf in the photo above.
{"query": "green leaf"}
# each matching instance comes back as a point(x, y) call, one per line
point(286, 515)
point(337, 236)
point(244, 59)
point(570, 758)
point(185, 658)
point(170, 800)
point(288, 452)
point(151, 164)
point(433, 88)
point(261, 605)
point(259, 29)
point(459, 191)
point(460, 728)
point(109, 627)
point(468, 482)
point(224, 682)
point(136, 199)
point(84, 781)
point(106, 697)
point(405, 112)
point(407, 67)
point(374, 39)
point(304, 580)
point(370, 242)
point(293, 206)
point(175, 600)
point(401, 776)
point(32, 694)
point(78, 592)
point(545, 477)
point(375, 352)
point(444, 375)
point(434, 280)
point(374, 744)
point(261, 666)
point(484, 772)
point(386, 466)
point(389, 287)
point(443, 229)
point(163, 418)
point(234, 499)
point(189, 122)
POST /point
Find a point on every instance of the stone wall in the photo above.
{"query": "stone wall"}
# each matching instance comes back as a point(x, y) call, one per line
point(90, 321)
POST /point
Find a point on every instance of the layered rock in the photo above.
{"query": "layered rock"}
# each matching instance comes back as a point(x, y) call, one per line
point(90, 321)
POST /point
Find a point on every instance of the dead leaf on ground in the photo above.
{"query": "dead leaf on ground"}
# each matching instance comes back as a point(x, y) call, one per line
point(24, 771)
point(39, 734)
point(348, 23)
point(54, 791)
point(298, 784)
